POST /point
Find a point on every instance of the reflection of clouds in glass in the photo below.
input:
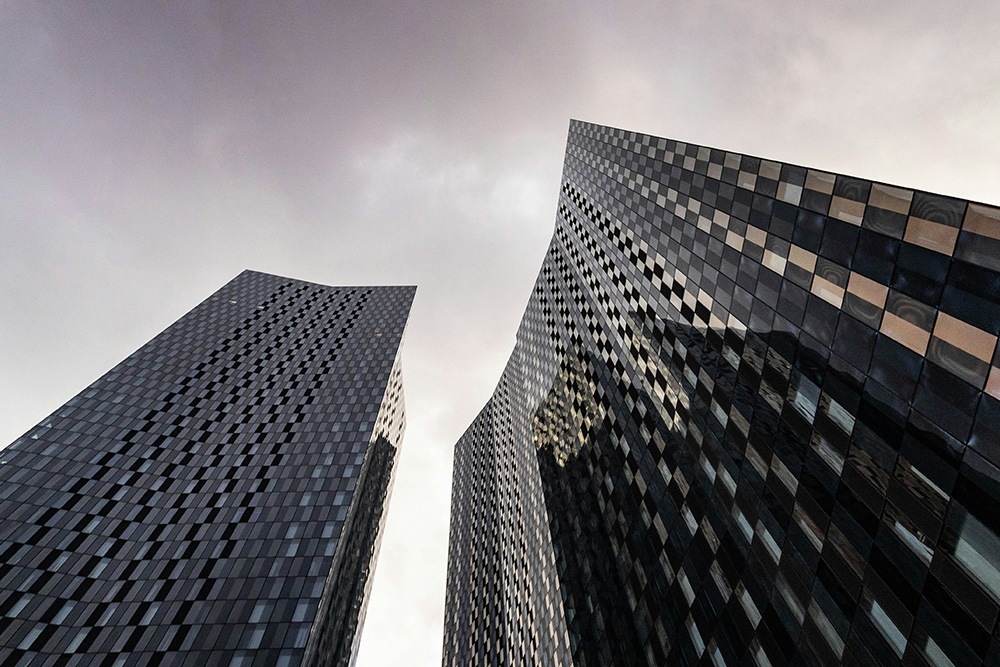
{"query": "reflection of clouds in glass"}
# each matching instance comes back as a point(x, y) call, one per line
point(978, 549)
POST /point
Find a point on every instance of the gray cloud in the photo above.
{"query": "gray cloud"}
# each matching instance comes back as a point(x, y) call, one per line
point(150, 152)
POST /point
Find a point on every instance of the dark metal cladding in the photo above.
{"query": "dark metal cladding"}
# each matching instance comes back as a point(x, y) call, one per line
point(217, 498)
point(752, 418)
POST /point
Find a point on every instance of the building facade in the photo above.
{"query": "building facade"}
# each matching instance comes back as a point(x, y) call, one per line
point(217, 498)
point(752, 418)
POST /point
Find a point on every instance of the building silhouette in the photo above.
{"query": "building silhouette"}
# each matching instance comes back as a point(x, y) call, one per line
point(752, 418)
point(217, 498)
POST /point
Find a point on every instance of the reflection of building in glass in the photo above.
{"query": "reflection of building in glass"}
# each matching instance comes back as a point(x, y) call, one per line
point(752, 417)
point(217, 498)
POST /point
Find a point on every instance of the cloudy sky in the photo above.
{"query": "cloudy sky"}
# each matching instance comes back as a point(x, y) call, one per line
point(151, 151)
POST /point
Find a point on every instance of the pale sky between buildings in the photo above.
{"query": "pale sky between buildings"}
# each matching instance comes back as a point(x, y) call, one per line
point(149, 152)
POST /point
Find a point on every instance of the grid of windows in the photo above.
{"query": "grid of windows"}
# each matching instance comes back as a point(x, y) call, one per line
point(217, 497)
point(752, 417)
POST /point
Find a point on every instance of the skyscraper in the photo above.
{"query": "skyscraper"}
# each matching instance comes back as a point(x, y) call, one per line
point(752, 418)
point(217, 498)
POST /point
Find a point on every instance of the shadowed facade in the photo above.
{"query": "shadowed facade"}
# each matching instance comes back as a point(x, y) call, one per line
point(752, 417)
point(217, 498)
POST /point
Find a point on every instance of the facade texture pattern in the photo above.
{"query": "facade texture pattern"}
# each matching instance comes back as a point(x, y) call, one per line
point(217, 497)
point(752, 418)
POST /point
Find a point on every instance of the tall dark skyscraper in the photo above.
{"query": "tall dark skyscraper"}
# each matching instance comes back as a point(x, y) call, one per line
point(217, 498)
point(752, 418)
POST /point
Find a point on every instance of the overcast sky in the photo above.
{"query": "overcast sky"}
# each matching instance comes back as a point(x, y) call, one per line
point(149, 152)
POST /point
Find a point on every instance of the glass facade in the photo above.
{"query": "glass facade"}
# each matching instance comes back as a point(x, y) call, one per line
point(217, 498)
point(752, 418)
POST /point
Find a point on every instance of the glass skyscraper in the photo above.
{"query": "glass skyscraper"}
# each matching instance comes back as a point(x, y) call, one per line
point(217, 498)
point(752, 418)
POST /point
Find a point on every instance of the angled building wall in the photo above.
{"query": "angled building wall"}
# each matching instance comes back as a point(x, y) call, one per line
point(752, 417)
point(217, 497)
